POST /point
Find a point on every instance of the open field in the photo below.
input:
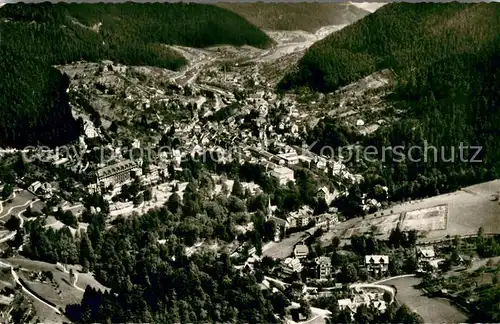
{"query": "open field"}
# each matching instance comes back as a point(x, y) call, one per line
point(85, 279)
point(60, 277)
point(61, 292)
point(383, 225)
point(38, 206)
point(284, 248)
point(425, 219)
point(47, 315)
point(457, 213)
point(432, 310)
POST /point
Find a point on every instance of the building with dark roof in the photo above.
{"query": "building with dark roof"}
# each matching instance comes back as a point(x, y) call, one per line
point(116, 173)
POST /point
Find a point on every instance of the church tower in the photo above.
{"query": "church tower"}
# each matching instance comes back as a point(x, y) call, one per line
point(269, 210)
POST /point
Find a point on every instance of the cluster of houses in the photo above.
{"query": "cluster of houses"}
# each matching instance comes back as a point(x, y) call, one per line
point(322, 265)
point(375, 265)
point(281, 164)
point(229, 139)
point(372, 299)
point(300, 219)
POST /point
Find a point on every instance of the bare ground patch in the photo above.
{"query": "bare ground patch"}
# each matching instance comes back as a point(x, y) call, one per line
point(426, 219)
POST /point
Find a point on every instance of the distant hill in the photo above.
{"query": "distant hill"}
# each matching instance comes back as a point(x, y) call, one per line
point(34, 107)
point(307, 16)
point(447, 61)
point(401, 36)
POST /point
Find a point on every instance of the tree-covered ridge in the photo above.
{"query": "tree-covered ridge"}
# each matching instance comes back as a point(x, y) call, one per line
point(308, 16)
point(153, 282)
point(446, 57)
point(35, 37)
point(405, 37)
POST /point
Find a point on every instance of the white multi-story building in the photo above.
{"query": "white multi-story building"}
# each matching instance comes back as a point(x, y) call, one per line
point(324, 265)
point(290, 158)
point(426, 255)
point(117, 173)
point(283, 175)
point(300, 251)
point(89, 129)
point(300, 218)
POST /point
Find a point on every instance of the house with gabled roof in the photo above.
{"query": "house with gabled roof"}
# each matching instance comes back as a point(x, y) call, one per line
point(281, 224)
point(324, 193)
point(426, 253)
point(377, 264)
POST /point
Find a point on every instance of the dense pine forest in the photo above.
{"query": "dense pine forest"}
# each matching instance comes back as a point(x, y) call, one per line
point(152, 282)
point(446, 57)
point(405, 37)
point(34, 108)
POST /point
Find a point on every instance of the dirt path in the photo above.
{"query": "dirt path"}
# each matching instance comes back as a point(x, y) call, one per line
point(2, 201)
point(16, 279)
point(75, 273)
point(21, 224)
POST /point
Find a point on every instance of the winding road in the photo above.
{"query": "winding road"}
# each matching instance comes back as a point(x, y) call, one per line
point(16, 279)
point(2, 201)
point(18, 215)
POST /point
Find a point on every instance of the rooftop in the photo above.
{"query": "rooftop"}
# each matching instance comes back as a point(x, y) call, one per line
point(291, 262)
point(376, 259)
point(278, 221)
point(301, 249)
point(324, 189)
point(115, 168)
point(282, 170)
point(323, 260)
point(427, 252)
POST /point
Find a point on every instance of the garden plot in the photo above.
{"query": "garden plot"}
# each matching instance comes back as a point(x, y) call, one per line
point(426, 219)
point(379, 225)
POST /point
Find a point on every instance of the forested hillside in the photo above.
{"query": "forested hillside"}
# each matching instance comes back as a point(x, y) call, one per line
point(34, 107)
point(305, 16)
point(152, 282)
point(402, 36)
point(446, 57)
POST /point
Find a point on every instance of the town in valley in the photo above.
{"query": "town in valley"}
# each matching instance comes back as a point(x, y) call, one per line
point(214, 165)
